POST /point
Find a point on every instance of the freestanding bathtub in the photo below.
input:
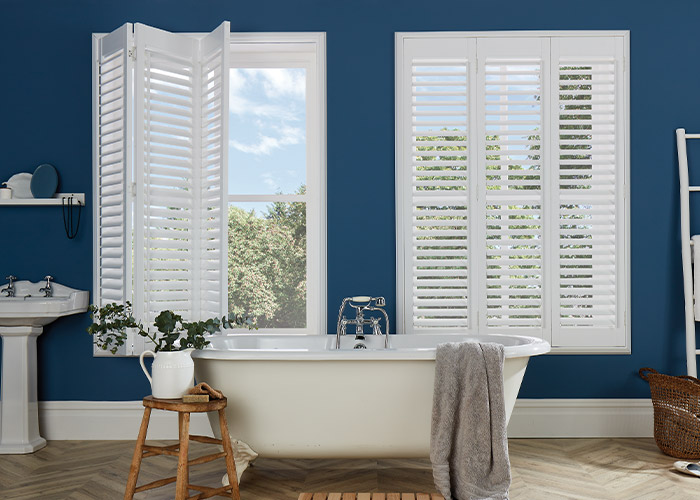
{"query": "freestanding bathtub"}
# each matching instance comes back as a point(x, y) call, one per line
point(296, 396)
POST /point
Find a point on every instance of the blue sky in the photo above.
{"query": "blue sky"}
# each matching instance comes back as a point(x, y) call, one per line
point(267, 130)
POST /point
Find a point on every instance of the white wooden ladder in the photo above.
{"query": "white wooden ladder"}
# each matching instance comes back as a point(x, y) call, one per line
point(691, 351)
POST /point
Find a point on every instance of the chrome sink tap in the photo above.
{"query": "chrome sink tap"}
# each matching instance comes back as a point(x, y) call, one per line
point(10, 288)
point(362, 304)
point(47, 290)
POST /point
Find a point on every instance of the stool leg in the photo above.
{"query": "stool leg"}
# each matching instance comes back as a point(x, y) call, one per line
point(138, 456)
point(230, 464)
point(182, 491)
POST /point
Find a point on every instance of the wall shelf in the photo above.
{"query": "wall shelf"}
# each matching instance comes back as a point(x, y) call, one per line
point(56, 200)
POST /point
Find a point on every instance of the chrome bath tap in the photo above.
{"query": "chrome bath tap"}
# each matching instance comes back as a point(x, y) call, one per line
point(362, 304)
point(10, 288)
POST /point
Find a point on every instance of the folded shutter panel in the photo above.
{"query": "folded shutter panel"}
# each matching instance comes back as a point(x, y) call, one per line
point(165, 172)
point(213, 266)
point(588, 297)
point(511, 79)
point(111, 136)
point(436, 110)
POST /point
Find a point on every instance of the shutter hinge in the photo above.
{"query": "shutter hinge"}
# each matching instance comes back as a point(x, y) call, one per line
point(132, 53)
point(133, 190)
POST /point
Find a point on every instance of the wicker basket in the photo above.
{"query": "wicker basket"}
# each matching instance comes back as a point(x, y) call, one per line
point(676, 413)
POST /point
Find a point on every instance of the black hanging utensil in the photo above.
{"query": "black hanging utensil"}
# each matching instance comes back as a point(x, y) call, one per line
point(67, 203)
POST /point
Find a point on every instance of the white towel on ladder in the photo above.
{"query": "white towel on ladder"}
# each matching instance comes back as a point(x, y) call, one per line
point(695, 249)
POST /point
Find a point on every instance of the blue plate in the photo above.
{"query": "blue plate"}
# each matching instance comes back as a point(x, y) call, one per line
point(44, 181)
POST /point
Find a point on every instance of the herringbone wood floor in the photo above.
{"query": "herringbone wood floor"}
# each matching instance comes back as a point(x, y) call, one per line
point(585, 469)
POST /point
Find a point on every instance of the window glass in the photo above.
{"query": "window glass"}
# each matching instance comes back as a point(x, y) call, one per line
point(267, 262)
point(267, 129)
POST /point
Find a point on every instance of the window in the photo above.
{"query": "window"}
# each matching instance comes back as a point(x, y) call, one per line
point(512, 165)
point(276, 186)
point(163, 180)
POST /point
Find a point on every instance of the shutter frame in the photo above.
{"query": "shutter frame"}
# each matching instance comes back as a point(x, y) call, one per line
point(214, 55)
point(603, 58)
point(160, 192)
point(165, 170)
point(571, 340)
point(509, 71)
point(112, 104)
point(425, 199)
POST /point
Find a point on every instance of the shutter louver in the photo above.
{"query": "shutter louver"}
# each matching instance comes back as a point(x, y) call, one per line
point(513, 193)
point(166, 179)
point(587, 193)
point(214, 79)
point(181, 131)
point(112, 277)
point(440, 195)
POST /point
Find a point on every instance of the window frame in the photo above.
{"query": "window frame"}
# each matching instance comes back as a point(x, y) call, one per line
point(305, 50)
point(475, 118)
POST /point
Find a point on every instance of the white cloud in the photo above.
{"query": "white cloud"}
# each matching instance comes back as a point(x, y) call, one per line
point(283, 82)
point(287, 136)
point(276, 83)
point(270, 182)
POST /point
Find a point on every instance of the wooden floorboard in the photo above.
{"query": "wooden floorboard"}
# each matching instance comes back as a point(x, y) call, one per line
point(577, 469)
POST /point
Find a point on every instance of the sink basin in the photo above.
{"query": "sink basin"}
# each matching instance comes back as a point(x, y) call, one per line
point(30, 308)
point(22, 320)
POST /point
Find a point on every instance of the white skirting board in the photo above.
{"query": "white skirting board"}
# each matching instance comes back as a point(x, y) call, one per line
point(582, 418)
point(114, 420)
point(536, 418)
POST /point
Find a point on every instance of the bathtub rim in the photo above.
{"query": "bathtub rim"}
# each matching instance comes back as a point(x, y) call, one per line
point(529, 346)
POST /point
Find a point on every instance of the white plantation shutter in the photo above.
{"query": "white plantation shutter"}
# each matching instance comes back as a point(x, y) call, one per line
point(166, 180)
point(112, 139)
point(590, 224)
point(436, 109)
point(512, 80)
point(179, 85)
point(213, 130)
point(528, 234)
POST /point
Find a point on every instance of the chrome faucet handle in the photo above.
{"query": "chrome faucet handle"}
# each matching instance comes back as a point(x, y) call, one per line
point(380, 301)
point(48, 292)
point(376, 329)
point(10, 288)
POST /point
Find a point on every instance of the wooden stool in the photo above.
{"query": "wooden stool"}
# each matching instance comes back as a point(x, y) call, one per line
point(179, 450)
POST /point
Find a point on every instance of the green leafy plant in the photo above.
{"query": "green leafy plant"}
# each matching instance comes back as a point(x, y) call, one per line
point(111, 323)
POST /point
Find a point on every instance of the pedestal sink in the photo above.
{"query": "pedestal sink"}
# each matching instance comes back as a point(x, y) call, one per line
point(22, 320)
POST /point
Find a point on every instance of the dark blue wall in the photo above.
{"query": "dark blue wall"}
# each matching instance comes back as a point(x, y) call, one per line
point(45, 116)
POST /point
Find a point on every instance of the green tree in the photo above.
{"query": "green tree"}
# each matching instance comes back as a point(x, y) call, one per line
point(267, 264)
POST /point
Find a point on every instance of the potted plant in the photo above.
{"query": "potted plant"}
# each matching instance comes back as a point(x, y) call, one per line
point(174, 341)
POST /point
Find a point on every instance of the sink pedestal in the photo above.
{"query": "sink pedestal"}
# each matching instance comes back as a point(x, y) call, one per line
point(19, 418)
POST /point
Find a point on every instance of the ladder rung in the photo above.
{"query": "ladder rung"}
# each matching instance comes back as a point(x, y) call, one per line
point(694, 188)
point(692, 136)
point(697, 351)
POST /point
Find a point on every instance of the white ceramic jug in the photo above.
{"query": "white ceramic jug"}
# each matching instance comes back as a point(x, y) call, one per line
point(173, 373)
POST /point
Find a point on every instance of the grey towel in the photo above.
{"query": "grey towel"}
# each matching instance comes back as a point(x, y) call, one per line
point(468, 440)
